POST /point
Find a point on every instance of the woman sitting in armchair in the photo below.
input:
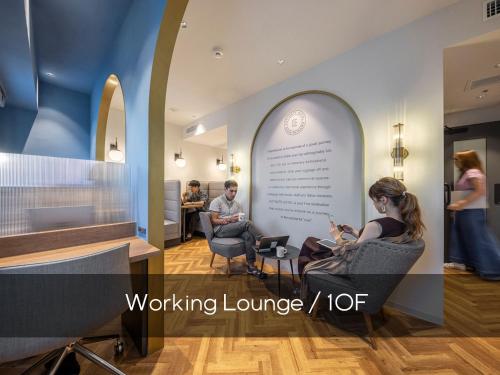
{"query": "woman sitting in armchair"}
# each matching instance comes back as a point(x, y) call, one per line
point(402, 220)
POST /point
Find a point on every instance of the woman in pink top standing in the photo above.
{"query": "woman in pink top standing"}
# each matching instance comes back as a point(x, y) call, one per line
point(472, 244)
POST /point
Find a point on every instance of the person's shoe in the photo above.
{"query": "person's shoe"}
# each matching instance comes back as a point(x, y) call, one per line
point(456, 266)
point(255, 272)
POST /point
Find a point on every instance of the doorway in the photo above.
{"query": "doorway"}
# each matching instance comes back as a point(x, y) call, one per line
point(472, 118)
point(204, 153)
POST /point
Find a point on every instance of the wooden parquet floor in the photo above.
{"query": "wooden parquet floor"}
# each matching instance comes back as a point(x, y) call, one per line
point(469, 343)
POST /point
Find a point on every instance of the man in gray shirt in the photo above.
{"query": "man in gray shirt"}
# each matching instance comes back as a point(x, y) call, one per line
point(226, 216)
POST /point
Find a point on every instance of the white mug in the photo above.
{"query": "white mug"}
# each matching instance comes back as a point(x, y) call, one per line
point(280, 251)
point(241, 216)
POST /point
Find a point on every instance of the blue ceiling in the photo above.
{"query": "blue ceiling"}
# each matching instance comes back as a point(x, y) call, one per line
point(73, 37)
point(17, 70)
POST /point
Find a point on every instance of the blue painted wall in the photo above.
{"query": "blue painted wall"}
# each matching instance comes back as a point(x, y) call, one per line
point(17, 60)
point(15, 126)
point(62, 125)
point(131, 59)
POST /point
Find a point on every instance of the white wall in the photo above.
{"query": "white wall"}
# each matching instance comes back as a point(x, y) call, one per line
point(308, 175)
point(472, 117)
point(396, 77)
point(200, 159)
point(115, 128)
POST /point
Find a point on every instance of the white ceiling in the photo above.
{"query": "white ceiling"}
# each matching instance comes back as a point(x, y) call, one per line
point(255, 34)
point(215, 138)
point(472, 60)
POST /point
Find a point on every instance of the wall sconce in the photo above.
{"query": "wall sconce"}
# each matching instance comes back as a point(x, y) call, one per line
point(221, 166)
point(399, 152)
point(234, 168)
point(179, 160)
point(114, 152)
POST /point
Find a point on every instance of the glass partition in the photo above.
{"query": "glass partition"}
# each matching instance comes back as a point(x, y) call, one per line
point(39, 193)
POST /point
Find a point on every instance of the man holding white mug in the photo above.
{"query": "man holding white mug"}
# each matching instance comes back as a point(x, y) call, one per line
point(229, 221)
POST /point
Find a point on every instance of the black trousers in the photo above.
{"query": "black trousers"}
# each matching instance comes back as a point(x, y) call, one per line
point(192, 218)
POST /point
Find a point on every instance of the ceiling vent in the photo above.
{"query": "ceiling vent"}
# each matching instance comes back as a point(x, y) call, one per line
point(491, 8)
point(484, 82)
point(191, 129)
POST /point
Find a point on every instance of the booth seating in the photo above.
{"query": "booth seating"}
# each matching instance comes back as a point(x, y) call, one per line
point(213, 190)
point(172, 212)
point(377, 269)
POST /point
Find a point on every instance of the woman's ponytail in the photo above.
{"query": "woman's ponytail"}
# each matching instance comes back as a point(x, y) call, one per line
point(407, 203)
point(411, 215)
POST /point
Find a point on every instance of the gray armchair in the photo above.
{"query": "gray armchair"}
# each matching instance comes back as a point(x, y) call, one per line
point(49, 306)
point(377, 269)
point(226, 247)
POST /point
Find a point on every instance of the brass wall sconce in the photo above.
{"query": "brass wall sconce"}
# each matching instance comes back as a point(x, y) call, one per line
point(234, 168)
point(179, 160)
point(221, 166)
point(399, 153)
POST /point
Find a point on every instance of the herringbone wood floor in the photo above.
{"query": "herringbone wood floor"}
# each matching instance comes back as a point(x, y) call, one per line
point(450, 353)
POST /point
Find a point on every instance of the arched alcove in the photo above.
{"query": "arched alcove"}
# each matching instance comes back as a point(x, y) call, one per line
point(110, 138)
point(141, 57)
point(307, 164)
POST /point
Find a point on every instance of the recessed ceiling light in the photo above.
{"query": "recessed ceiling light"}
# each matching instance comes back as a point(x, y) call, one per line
point(49, 74)
point(281, 61)
point(184, 25)
point(217, 52)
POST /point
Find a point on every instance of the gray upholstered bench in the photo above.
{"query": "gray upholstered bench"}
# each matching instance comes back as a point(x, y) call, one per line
point(172, 212)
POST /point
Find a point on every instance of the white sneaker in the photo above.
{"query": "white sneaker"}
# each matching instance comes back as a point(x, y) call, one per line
point(457, 266)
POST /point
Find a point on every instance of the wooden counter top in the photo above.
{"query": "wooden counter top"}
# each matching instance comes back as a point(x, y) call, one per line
point(139, 250)
point(27, 243)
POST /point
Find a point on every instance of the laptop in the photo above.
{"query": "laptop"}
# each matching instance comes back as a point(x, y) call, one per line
point(268, 244)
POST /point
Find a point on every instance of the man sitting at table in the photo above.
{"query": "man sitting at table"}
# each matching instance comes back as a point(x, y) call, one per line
point(227, 220)
point(197, 198)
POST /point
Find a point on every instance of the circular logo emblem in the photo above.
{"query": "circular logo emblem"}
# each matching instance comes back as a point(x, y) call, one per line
point(294, 122)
